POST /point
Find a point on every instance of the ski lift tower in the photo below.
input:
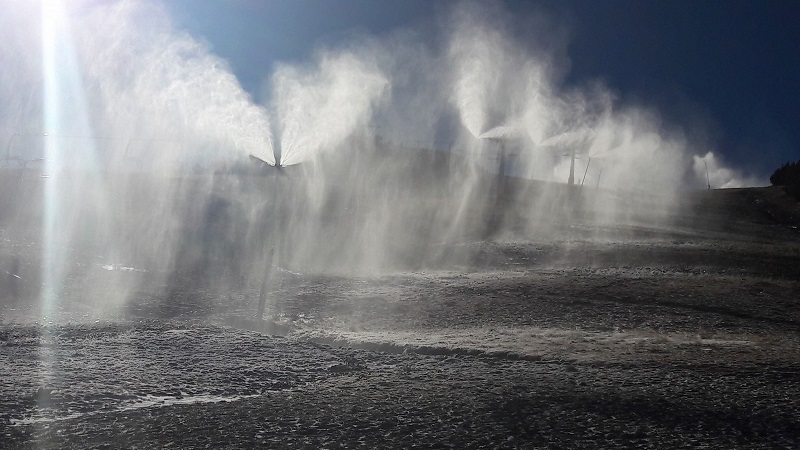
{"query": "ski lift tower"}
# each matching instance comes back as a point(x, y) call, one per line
point(571, 179)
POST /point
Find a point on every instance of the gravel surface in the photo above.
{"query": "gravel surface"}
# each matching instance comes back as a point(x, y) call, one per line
point(609, 338)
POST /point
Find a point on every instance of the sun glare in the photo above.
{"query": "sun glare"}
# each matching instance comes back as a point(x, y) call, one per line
point(64, 117)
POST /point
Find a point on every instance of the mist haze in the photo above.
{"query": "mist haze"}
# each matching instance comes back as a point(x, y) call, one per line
point(391, 148)
point(411, 224)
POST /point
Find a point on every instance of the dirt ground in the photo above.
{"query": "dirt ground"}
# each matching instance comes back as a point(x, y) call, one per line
point(609, 337)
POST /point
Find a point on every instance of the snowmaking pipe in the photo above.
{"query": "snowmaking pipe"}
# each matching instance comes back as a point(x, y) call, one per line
point(263, 293)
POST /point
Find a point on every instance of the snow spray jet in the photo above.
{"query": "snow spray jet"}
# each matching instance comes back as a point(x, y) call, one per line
point(156, 84)
point(131, 108)
point(181, 112)
point(365, 201)
point(501, 84)
point(321, 110)
point(718, 176)
point(502, 93)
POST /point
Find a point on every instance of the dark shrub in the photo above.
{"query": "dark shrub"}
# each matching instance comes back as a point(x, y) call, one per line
point(788, 175)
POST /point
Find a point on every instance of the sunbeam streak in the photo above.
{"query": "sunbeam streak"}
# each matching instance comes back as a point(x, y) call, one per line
point(52, 13)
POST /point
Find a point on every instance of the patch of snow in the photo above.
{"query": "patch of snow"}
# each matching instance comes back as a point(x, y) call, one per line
point(148, 401)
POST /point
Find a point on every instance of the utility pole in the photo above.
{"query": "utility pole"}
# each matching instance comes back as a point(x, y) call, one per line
point(584, 174)
point(586, 171)
point(571, 179)
point(274, 248)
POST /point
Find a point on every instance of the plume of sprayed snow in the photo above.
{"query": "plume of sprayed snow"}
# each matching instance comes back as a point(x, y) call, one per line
point(504, 91)
point(719, 176)
point(318, 108)
point(160, 86)
point(491, 77)
point(502, 95)
point(477, 62)
point(152, 95)
point(418, 115)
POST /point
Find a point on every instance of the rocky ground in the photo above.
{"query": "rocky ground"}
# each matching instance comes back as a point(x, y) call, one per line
point(608, 337)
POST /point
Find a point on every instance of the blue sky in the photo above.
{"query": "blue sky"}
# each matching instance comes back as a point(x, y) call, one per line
point(254, 34)
point(730, 69)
